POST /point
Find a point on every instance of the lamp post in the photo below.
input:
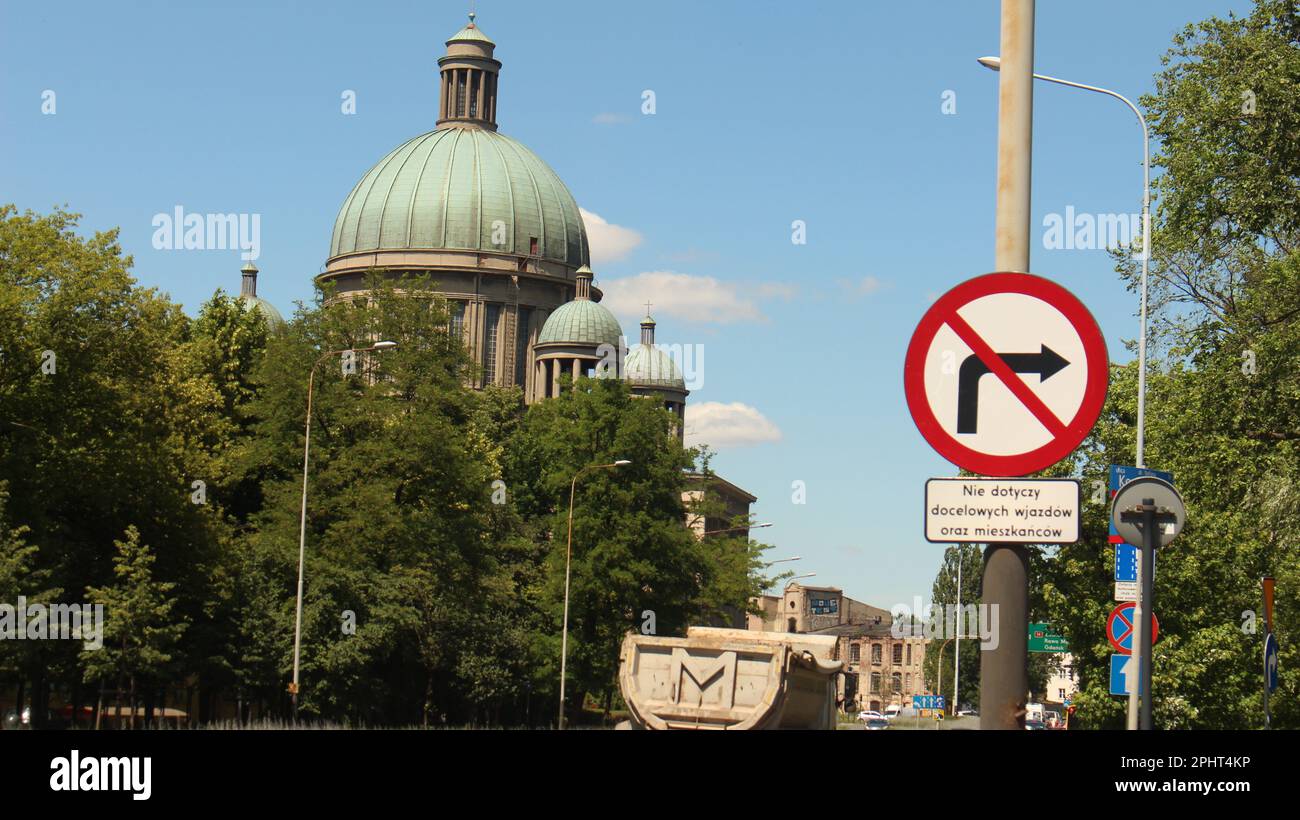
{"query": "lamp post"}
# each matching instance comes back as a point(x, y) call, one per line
point(568, 558)
point(736, 529)
point(995, 63)
point(956, 653)
point(302, 524)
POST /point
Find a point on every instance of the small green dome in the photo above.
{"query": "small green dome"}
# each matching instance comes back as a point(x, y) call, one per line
point(448, 188)
point(652, 367)
point(272, 316)
point(581, 322)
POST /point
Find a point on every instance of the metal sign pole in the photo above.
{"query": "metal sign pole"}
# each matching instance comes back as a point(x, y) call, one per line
point(1004, 670)
point(1146, 606)
point(1266, 717)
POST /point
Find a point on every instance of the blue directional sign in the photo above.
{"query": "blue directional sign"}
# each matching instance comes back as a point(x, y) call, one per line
point(1270, 662)
point(1126, 563)
point(1123, 674)
point(928, 702)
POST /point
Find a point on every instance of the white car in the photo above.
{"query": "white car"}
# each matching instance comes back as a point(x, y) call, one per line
point(869, 714)
point(892, 712)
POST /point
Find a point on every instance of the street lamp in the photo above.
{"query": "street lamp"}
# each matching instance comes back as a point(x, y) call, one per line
point(736, 529)
point(995, 63)
point(568, 556)
point(302, 525)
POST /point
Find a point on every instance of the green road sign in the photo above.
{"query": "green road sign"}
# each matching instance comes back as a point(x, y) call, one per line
point(1043, 639)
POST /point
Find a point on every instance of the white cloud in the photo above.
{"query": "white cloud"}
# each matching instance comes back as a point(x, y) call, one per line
point(727, 425)
point(865, 286)
point(609, 242)
point(692, 298)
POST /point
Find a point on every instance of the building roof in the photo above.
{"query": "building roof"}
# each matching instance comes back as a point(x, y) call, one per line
point(453, 188)
point(721, 484)
point(581, 322)
point(471, 32)
point(651, 366)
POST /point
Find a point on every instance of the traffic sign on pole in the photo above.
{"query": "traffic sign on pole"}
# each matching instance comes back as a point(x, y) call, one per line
point(1002, 510)
point(1166, 498)
point(1043, 639)
point(1270, 663)
point(1123, 674)
point(1048, 363)
point(1120, 631)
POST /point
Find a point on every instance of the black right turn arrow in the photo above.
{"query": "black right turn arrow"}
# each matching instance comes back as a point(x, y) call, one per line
point(1046, 363)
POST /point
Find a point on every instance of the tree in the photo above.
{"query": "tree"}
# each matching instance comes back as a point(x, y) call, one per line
point(140, 628)
point(1223, 414)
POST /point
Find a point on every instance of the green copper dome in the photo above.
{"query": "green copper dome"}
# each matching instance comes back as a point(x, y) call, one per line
point(649, 366)
point(446, 189)
point(581, 322)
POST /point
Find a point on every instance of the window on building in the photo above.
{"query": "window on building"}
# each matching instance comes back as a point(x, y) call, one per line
point(875, 654)
point(875, 683)
point(790, 625)
point(855, 653)
point(456, 322)
point(1060, 694)
point(521, 345)
point(490, 331)
point(534, 248)
point(897, 680)
point(474, 80)
point(898, 654)
point(460, 93)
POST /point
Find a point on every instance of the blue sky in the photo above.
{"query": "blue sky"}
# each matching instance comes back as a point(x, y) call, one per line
point(765, 113)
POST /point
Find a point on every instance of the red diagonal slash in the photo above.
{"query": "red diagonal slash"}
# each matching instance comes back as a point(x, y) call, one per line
point(1004, 373)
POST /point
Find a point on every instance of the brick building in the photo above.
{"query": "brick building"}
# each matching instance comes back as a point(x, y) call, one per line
point(880, 670)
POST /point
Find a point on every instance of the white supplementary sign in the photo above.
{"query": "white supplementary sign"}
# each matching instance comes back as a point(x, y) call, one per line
point(1002, 511)
point(1126, 591)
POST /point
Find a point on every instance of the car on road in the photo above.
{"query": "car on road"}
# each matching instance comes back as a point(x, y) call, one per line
point(868, 714)
point(875, 723)
point(968, 713)
point(892, 712)
point(1035, 725)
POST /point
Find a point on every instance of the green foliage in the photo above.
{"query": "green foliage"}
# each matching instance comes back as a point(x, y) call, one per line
point(1222, 409)
point(141, 628)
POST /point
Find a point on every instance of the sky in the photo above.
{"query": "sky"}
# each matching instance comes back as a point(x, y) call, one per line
point(868, 123)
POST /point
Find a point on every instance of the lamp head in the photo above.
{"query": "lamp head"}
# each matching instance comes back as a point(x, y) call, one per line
point(993, 63)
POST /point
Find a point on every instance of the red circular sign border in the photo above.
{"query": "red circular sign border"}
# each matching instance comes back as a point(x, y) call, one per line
point(1110, 635)
point(1094, 345)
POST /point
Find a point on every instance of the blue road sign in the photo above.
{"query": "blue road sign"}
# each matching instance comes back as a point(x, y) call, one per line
point(1270, 662)
point(1126, 563)
point(1121, 475)
point(1123, 674)
point(928, 702)
point(1126, 554)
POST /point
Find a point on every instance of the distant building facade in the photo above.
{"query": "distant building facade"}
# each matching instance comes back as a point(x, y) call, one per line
point(880, 669)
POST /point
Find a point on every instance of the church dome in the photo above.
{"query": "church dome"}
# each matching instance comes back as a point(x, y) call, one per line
point(581, 322)
point(248, 295)
point(649, 366)
point(448, 188)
